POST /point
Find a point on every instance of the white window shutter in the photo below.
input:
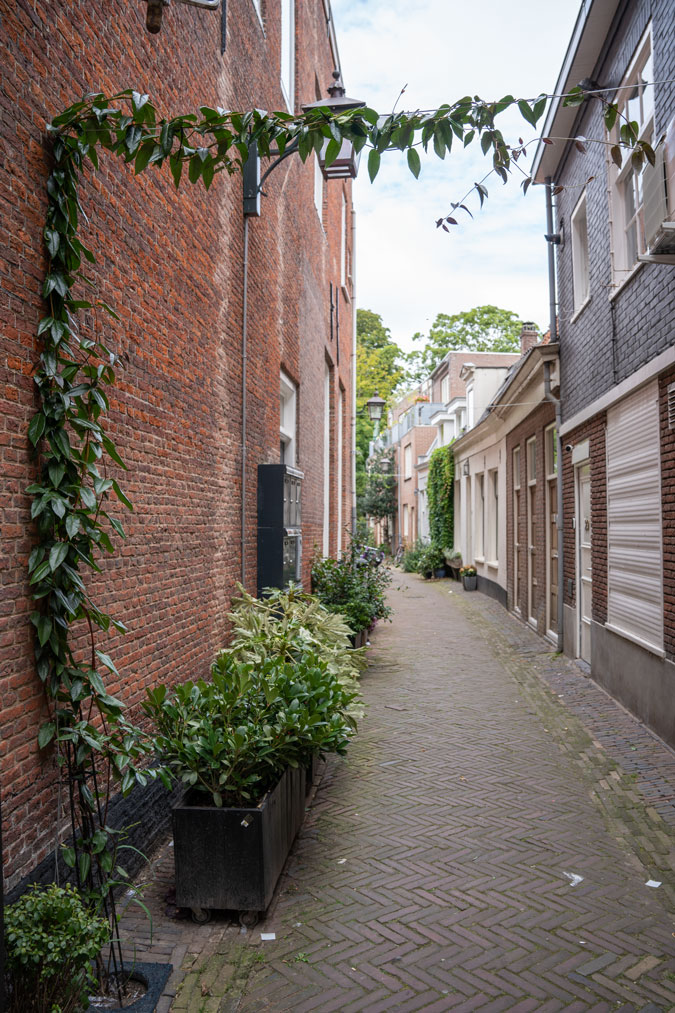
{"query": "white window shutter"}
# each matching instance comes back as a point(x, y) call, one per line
point(634, 551)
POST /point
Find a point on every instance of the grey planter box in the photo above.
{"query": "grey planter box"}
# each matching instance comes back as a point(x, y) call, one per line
point(470, 583)
point(231, 859)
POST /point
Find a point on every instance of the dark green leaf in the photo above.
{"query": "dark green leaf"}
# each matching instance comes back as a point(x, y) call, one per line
point(44, 629)
point(527, 112)
point(414, 162)
point(373, 164)
point(57, 555)
point(121, 497)
point(46, 734)
point(36, 428)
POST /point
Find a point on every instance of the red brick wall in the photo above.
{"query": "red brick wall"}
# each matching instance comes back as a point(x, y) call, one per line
point(533, 425)
point(171, 264)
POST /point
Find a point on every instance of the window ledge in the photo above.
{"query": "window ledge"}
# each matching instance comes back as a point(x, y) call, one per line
point(626, 281)
point(345, 292)
point(658, 651)
point(493, 564)
point(479, 559)
point(577, 313)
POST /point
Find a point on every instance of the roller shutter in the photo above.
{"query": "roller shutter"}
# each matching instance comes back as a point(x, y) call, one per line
point(634, 555)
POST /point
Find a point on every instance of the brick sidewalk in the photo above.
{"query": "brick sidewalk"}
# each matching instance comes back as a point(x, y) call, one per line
point(436, 866)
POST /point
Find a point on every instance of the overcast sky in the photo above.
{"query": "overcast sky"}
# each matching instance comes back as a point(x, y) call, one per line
point(407, 270)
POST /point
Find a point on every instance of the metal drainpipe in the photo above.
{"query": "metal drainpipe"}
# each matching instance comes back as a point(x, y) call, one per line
point(244, 353)
point(553, 326)
point(353, 419)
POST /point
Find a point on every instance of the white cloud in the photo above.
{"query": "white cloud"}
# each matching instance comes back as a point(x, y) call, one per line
point(407, 270)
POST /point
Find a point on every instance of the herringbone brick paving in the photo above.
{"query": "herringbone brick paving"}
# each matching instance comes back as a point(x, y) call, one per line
point(434, 869)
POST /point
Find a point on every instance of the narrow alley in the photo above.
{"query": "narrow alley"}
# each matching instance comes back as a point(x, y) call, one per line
point(492, 841)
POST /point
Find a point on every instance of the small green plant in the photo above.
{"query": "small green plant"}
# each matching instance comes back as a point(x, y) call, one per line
point(411, 557)
point(352, 587)
point(232, 738)
point(468, 571)
point(51, 941)
point(431, 558)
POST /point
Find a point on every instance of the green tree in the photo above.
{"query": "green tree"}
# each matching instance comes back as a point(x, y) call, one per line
point(482, 329)
point(380, 497)
point(378, 368)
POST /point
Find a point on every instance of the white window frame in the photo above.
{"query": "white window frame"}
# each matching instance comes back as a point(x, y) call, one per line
point(407, 461)
point(287, 10)
point(479, 514)
point(318, 188)
point(493, 517)
point(627, 226)
point(469, 407)
point(406, 521)
point(343, 244)
point(445, 389)
point(580, 263)
point(288, 425)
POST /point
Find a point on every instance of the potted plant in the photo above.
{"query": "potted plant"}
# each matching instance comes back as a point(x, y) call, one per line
point(355, 588)
point(469, 576)
point(240, 744)
point(51, 941)
point(432, 561)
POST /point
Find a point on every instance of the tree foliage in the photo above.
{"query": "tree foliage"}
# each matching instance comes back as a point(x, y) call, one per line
point(379, 499)
point(441, 493)
point(482, 329)
point(378, 368)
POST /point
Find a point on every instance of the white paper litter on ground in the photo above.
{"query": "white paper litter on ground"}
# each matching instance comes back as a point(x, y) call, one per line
point(653, 883)
point(341, 861)
point(573, 878)
point(268, 935)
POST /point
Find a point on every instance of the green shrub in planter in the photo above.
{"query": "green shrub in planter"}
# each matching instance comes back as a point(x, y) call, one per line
point(432, 558)
point(289, 624)
point(230, 739)
point(352, 588)
point(51, 940)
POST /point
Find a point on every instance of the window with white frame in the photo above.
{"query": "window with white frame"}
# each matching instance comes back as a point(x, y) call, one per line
point(343, 243)
point(493, 516)
point(287, 420)
point(479, 525)
point(407, 461)
point(288, 52)
point(318, 188)
point(635, 101)
point(406, 531)
point(445, 389)
point(469, 407)
point(580, 276)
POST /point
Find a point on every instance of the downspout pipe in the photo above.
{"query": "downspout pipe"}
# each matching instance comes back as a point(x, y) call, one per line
point(353, 418)
point(553, 326)
point(244, 407)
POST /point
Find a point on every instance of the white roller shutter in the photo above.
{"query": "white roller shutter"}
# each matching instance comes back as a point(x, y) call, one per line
point(634, 556)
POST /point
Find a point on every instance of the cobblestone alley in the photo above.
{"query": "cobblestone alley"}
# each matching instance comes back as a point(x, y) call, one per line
point(488, 844)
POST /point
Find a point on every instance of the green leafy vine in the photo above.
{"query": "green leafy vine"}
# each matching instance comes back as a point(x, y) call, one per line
point(441, 495)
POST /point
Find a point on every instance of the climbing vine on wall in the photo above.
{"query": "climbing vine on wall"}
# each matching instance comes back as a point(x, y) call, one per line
point(76, 498)
point(440, 492)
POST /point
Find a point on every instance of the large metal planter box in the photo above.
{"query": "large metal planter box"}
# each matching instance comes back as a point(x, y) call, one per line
point(232, 858)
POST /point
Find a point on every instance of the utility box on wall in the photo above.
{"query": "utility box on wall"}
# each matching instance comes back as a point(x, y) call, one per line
point(279, 525)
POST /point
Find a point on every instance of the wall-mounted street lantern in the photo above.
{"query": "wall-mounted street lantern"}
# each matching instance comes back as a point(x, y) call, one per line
point(153, 17)
point(375, 406)
point(346, 165)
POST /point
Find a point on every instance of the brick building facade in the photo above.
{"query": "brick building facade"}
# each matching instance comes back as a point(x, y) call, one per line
point(616, 274)
point(172, 264)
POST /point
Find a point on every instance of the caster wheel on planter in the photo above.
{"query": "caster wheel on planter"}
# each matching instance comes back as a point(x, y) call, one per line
point(248, 919)
point(201, 915)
